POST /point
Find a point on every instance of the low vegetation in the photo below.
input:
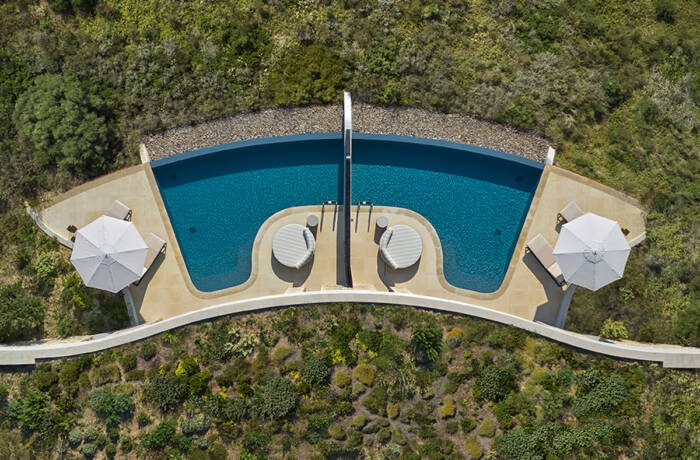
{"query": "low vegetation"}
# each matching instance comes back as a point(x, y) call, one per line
point(500, 393)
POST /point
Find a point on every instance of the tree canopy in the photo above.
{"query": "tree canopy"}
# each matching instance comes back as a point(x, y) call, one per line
point(64, 125)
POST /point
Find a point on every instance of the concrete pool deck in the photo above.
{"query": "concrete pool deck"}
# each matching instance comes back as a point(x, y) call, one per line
point(526, 292)
point(166, 299)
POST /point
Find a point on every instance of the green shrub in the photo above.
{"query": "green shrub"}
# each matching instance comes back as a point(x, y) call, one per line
point(447, 409)
point(311, 74)
point(127, 362)
point(316, 369)
point(686, 325)
point(64, 125)
point(276, 399)
point(364, 373)
point(256, 441)
point(494, 383)
point(426, 342)
point(135, 375)
point(199, 424)
point(161, 436)
point(21, 315)
point(454, 337)
point(49, 264)
point(467, 424)
point(487, 427)
point(166, 392)
point(74, 293)
point(45, 379)
point(375, 402)
point(90, 434)
point(665, 10)
point(614, 330)
point(107, 373)
point(75, 437)
point(111, 406)
point(89, 449)
point(280, 354)
point(452, 427)
point(604, 398)
point(392, 411)
point(188, 366)
point(341, 378)
point(473, 448)
point(358, 421)
point(143, 419)
point(148, 351)
point(336, 431)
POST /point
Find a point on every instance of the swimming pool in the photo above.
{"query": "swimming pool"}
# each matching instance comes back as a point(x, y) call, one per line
point(217, 198)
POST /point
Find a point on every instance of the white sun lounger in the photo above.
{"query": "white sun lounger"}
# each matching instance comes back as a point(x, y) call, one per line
point(400, 246)
point(119, 210)
point(570, 212)
point(156, 246)
point(293, 245)
point(542, 250)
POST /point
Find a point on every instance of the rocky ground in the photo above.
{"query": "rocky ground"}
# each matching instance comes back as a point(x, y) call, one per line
point(366, 118)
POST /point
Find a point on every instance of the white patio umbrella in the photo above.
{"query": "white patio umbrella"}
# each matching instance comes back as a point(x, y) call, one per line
point(591, 251)
point(109, 254)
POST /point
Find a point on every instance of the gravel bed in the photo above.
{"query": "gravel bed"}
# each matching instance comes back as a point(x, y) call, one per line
point(366, 118)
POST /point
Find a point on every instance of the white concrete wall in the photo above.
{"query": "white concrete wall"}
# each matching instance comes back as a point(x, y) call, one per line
point(668, 355)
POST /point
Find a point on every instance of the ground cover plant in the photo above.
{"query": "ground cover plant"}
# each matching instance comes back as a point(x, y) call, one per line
point(499, 393)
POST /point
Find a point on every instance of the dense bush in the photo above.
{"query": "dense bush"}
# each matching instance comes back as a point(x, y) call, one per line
point(21, 315)
point(494, 383)
point(276, 399)
point(364, 373)
point(603, 398)
point(166, 392)
point(64, 125)
point(426, 342)
point(162, 436)
point(316, 369)
point(614, 330)
point(199, 424)
point(110, 405)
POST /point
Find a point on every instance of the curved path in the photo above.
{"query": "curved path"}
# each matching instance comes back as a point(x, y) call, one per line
point(667, 355)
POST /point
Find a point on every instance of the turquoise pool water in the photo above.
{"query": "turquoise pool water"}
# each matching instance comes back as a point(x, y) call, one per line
point(217, 198)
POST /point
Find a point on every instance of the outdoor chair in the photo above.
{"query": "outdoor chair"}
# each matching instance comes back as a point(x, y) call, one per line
point(542, 250)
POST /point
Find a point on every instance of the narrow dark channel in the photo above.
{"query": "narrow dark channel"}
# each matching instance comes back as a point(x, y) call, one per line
point(347, 198)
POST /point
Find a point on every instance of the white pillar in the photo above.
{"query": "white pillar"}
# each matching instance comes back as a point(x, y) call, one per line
point(564, 307)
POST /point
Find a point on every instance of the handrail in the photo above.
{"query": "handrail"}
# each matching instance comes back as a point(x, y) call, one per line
point(347, 174)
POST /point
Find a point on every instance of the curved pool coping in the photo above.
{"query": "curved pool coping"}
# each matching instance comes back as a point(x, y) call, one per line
point(467, 148)
point(667, 355)
point(356, 136)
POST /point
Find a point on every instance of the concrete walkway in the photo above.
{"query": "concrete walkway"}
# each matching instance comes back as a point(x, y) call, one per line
point(667, 355)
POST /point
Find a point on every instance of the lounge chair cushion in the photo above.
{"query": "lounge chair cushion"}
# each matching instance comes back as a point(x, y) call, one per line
point(155, 246)
point(293, 245)
point(542, 250)
point(400, 246)
point(119, 210)
point(570, 212)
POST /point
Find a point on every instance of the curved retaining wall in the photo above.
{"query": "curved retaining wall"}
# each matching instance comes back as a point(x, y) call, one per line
point(667, 355)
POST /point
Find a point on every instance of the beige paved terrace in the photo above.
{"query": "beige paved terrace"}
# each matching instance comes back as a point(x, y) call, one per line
point(527, 290)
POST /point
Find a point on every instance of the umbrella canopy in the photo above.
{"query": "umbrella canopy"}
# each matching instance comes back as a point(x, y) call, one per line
point(109, 254)
point(591, 251)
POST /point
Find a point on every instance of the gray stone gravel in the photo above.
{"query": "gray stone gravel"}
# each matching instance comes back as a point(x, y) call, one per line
point(366, 118)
